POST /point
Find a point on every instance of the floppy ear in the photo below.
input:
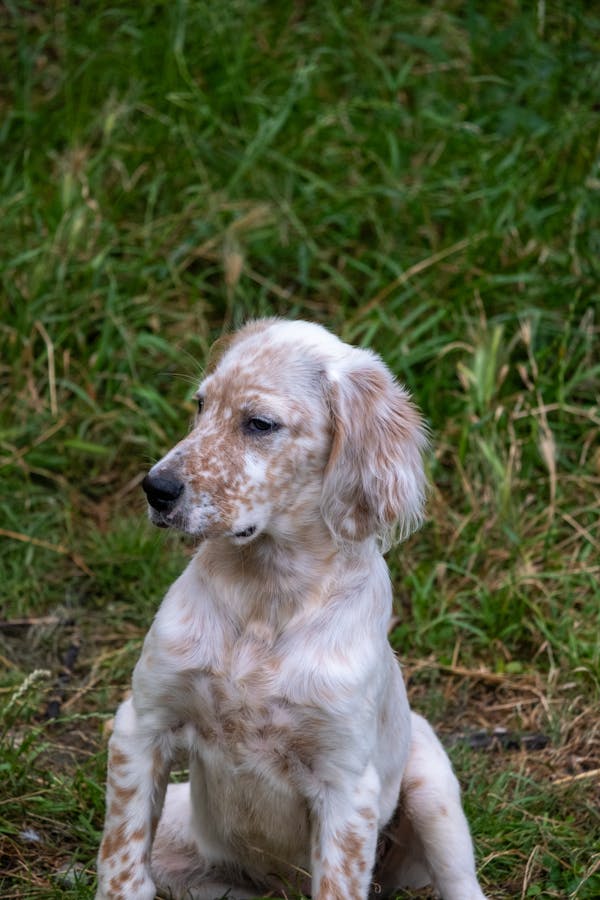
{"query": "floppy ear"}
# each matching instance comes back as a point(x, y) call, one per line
point(374, 483)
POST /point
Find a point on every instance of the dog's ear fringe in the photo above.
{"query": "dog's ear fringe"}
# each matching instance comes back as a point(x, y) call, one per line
point(374, 483)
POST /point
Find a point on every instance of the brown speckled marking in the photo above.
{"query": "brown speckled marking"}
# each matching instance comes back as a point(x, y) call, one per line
point(118, 881)
point(352, 846)
point(122, 794)
point(116, 758)
point(368, 814)
point(112, 842)
point(329, 890)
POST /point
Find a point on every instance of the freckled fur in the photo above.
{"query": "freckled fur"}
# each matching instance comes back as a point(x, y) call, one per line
point(268, 662)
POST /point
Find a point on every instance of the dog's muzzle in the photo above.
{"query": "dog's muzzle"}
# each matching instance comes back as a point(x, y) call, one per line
point(162, 491)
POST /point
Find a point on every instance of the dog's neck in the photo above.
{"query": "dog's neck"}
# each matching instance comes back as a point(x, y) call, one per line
point(273, 577)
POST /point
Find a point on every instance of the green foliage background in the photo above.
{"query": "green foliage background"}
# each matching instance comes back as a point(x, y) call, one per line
point(423, 178)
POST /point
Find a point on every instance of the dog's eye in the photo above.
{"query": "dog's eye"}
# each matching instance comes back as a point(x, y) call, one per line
point(200, 403)
point(256, 425)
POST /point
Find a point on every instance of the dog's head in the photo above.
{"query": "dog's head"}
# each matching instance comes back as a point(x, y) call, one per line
point(294, 428)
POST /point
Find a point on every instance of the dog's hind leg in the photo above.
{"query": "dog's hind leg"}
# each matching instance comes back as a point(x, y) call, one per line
point(180, 869)
point(429, 838)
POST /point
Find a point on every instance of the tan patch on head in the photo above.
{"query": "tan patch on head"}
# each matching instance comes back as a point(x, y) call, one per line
point(227, 341)
point(217, 351)
point(228, 470)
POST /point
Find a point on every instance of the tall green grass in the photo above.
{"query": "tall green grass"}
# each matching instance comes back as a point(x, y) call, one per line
point(424, 179)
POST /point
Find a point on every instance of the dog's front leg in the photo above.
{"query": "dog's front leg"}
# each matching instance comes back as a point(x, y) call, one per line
point(344, 838)
point(138, 771)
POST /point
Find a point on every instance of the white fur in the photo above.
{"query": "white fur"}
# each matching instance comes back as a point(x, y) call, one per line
point(268, 662)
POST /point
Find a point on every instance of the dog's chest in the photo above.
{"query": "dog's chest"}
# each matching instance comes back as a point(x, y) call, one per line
point(241, 707)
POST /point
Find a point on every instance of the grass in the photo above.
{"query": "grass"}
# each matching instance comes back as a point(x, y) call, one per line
point(424, 179)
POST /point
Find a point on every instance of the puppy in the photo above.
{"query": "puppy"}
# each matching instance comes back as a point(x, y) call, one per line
point(268, 661)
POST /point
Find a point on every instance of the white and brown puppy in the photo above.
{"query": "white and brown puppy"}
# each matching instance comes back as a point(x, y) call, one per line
point(268, 661)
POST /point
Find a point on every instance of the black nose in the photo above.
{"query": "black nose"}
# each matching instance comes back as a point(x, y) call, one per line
point(162, 490)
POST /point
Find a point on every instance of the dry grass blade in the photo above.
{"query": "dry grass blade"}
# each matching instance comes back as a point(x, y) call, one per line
point(416, 269)
point(47, 545)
